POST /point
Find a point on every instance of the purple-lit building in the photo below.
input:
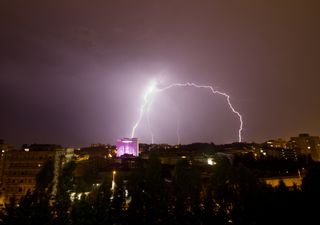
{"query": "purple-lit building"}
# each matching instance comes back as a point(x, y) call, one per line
point(128, 146)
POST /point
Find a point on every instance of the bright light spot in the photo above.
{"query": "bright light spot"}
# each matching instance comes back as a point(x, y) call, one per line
point(113, 183)
point(74, 195)
point(26, 149)
point(3, 150)
point(309, 147)
point(109, 155)
point(211, 162)
point(152, 87)
point(183, 156)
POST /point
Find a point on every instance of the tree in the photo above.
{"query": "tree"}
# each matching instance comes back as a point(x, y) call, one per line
point(9, 215)
point(310, 190)
point(136, 188)
point(82, 212)
point(187, 185)
point(156, 199)
point(236, 193)
point(100, 201)
point(64, 188)
point(117, 211)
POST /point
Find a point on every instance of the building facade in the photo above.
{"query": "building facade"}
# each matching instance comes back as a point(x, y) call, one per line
point(127, 146)
point(20, 168)
point(306, 145)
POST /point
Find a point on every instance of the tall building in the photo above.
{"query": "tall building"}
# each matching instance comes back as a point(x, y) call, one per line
point(4, 148)
point(129, 146)
point(307, 145)
point(20, 168)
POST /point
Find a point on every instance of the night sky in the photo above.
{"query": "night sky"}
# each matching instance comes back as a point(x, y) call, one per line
point(74, 72)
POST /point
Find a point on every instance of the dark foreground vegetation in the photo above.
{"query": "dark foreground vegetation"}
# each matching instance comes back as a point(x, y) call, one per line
point(231, 194)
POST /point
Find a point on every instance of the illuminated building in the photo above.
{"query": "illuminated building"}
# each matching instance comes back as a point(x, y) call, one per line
point(4, 148)
point(20, 168)
point(278, 143)
point(127, 146)
point(307, 145)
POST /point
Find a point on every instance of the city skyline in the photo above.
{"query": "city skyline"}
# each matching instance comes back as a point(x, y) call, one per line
point(75, 74)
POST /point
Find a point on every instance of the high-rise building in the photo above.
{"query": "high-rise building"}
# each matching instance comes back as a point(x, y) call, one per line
point(4, 148)
point(129, 146)
point(307, 145)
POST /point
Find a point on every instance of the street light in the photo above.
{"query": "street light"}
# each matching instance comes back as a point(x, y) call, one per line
point(113, 184)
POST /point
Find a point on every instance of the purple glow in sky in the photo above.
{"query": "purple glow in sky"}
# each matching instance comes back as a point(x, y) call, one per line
point(74, 72)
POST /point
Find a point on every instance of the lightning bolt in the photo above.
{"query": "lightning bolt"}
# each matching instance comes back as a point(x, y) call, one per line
point(153, 89)
point(147, 100)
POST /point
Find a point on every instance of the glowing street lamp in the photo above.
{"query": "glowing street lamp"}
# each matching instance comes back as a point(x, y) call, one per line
point(113, 184)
